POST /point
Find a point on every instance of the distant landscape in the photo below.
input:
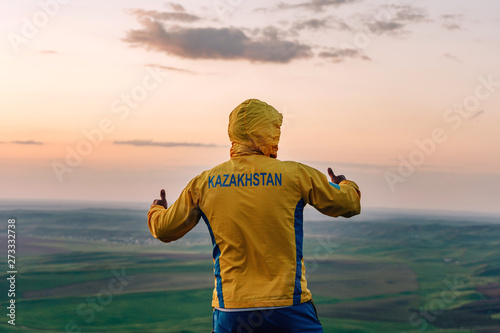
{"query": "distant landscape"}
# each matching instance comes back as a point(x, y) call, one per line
point(100, 270)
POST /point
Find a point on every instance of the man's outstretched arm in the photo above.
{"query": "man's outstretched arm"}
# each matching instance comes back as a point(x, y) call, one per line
point(340, 197)
point(170, 224)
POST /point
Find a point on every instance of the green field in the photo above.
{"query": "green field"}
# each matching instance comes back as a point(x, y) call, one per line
point(99, 270)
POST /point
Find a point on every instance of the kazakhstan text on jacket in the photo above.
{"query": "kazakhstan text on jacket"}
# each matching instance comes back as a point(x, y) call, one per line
point(245, 179)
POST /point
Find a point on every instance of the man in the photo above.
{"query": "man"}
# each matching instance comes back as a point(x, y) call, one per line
point(252, 206)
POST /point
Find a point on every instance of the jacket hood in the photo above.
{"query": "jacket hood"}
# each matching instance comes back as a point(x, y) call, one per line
point(254, 129)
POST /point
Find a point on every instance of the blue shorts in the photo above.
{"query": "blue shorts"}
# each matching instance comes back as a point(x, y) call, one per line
point(294, 319)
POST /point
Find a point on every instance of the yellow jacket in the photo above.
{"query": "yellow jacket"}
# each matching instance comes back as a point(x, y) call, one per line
point(252, 206)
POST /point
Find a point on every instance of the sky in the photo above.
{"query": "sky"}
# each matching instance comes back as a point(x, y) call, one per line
point(112, 101)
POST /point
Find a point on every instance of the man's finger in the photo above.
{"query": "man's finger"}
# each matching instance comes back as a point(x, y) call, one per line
point(330, 172)
point(162, 195)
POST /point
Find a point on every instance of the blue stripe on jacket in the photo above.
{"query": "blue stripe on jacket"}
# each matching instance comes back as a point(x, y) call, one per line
point(299, 238)
point(216, 255)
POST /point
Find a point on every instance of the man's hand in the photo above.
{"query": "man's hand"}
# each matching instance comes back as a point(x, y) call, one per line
point(335, 179)
point(162, 201)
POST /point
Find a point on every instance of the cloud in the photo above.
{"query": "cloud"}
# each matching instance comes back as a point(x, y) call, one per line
point(339, 55)
point(268, 44)
point(168, 68)
point(341, 25)
point(149, 143)
point(452, 22)
point(451, 57)
point(407, 13)
point(27, 142)
point(163, 16)
point(176, 6)
point(48, 52)
point(313, 5)
point(477, 114)
point(215, 43)
point(311, 24)
point(316, 24)
point(394, 19)
point(381, 27)
point(452, 26)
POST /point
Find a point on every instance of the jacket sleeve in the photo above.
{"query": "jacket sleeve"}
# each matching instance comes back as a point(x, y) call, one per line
point(328, 198)
point(174, 222)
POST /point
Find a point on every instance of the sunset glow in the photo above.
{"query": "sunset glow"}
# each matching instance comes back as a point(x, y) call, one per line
point(112, 101)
